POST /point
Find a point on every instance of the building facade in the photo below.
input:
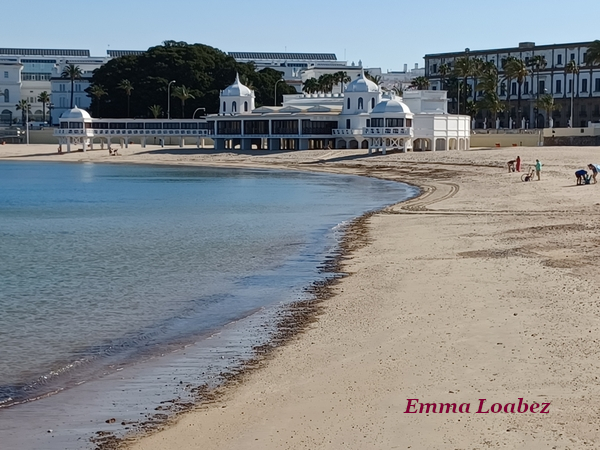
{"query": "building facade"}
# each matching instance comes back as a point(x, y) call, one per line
point(362, 117)
point(582, 89)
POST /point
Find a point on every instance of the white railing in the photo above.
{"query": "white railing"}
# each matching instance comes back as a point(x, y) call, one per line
point(345, 131)
point(387, 131)
point(125, 132)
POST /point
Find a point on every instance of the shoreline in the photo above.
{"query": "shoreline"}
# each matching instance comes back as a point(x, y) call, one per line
point(493, 296)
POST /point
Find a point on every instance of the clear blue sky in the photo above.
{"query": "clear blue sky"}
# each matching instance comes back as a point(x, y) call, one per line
point(381, 33)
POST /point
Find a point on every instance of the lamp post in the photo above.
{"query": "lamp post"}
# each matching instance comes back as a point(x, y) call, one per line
point(50, 108)
point(275, 95)
point(27, 121)
point(198, 109)
point(169, 99)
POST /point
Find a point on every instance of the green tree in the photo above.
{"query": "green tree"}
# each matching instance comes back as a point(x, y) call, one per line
point(25, 107)
point(72, 72)
point(311, 85)
point(155, 110)
point(97, 91)
point(420, 83)
point(183, 94)
point(572, 68)
point(341, 78)
point(592, 56)
point(489, 81)
point(326, 83)
point(508, 82)
point(374, 78)
point(546, 102)
point(444, 70)
point(464, 68)
point(516, 69)
point(44, 98)
point(125, 85)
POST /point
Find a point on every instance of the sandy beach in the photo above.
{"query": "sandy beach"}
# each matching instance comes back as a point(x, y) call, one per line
point(484, 290)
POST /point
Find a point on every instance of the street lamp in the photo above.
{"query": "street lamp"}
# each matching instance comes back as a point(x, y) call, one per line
point(275, 95)
point(169, 99)
point(198, 109)
point(50, 108)
point(27, 121)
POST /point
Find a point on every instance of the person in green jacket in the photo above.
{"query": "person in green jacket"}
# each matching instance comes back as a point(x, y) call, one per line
point(538, 168)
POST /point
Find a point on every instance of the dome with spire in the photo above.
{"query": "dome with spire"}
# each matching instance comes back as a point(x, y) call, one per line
point(237, 89)
point(76, 114)
point(391, 105)
point(362, 84)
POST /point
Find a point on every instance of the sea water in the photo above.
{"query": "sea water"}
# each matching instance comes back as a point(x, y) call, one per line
point(102, 265)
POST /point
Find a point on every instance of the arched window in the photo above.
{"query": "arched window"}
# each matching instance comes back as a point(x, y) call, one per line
point(245, 106)
point(62, 102)
point(360, 103)
point(348, 103)
point(233, 106)
point(6, 96)
point(224, 106)
point(373, 103)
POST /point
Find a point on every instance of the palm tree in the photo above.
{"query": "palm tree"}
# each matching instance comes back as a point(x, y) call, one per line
point(25, 109)
point(507, 82)
point(374, 78)
point(420, 83)
point(326, 82)
point(572, 68)
point(155, 110)
point(183, 94)
point(489, 81)
point(537, 63)
point(546, 102)
point(397, 90)
point(72, 72)
point(443, 70)
point(341, 78)
point(311, 86)
point(517, 69)
point(592, 56)
point(126, 86)
point(464, 68)
point(97, 90)
point(44, 97)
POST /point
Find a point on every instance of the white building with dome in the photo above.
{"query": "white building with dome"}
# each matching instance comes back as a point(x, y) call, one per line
point(362, 117)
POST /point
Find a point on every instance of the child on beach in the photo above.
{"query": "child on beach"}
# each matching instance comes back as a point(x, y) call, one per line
point(538, 168)
point(582, 177)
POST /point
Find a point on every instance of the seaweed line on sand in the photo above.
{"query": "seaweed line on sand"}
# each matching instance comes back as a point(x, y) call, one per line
point(292, 320)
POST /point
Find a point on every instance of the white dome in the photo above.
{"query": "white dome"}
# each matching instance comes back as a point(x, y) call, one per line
point(76, 114)
point(392, 105)
point(237, 89)
point(362, 84)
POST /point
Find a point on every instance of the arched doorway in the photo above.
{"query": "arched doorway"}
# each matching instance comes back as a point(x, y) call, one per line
point(6, 116)
point(364, 144)
point(353, 144)
point(440, 144)
point(341, 144)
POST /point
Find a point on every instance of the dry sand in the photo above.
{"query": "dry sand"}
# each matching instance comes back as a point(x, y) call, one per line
point(484, 287)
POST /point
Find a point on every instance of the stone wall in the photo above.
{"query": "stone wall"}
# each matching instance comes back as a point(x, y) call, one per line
point(572, 141)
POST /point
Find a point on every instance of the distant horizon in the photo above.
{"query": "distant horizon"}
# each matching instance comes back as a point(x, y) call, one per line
point(381, 36)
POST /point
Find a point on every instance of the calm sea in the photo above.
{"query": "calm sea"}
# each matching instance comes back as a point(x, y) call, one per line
point(102, 264)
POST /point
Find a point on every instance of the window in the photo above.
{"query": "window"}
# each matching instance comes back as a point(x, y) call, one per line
point(348, 104)
point(245, 106)
point(526, 87)
point(597, 85)
point(233, 106)
point(62, 88)
point(373, 103)
point(513, 88)
point(559, 59)
point(377, 122)
point(558, 89)
point(256, 127)
point(434, 68)
point(368, 123)
point(7, 95)
point(229, 127)
point(360, 103)
point(5, 74)
point(409, 122)
point(394, 122)
point(348, 124)
point(584, 85)
point(570, 86)
point(572, 56)
point(224, 106)
point(62, 102)
point(542, 86)
point(285, 127)
point(584, 57)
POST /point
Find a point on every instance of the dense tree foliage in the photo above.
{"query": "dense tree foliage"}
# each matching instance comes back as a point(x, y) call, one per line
point(203, 70)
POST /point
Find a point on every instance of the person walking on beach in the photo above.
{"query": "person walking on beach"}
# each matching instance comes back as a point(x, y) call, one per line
point(538, 168)
point(518, 164)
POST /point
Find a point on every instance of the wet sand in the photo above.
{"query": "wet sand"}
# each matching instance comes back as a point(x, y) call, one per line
point(484, 287)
